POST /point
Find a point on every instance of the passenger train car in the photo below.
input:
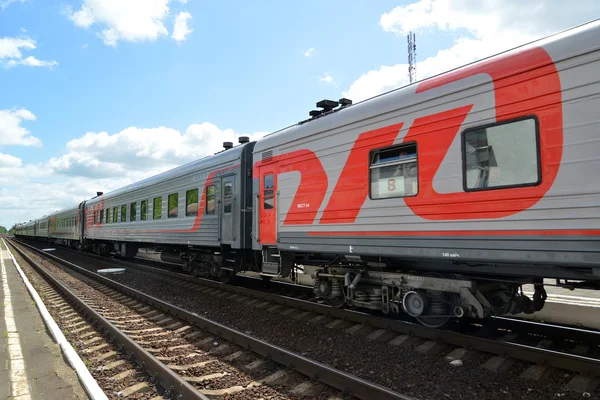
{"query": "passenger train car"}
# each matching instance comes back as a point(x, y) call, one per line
point(439, 199)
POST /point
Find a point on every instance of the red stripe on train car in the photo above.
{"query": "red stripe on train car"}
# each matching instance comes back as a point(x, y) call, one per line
point(525, 83)
point(312, 188)
point(352, 188)
point(555, 232)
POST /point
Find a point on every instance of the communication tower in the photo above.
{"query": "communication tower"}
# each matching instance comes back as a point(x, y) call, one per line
point(412, 56)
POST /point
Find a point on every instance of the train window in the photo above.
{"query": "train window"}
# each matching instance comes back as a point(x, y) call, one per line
point(124, 213)
point(101, 216)
point(501, 155)
point(227, 196)
point(173, 201)
point(157, 209)
point(268, 191)
point(394, 172)
point(191, 203)
point(115, 214)
point(132, 211)
point(143, 210)
point(107, 215)
point(210, 200)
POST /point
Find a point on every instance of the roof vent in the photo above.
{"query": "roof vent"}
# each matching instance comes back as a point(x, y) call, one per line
point(345, 102)
point(243, 139)
point(99, 193)
point(327, 105)
point(227, 145)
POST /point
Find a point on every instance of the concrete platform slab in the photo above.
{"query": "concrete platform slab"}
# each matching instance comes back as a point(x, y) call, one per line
point(30, 362)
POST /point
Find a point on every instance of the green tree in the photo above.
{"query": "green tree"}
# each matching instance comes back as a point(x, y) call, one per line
point(3, 230)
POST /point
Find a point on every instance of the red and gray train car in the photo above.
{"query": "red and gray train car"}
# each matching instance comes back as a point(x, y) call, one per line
point(439, 199)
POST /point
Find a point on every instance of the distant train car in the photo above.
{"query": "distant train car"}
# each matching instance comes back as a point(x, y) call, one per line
point(41, 228)
point(19, 230)
point(64, 226)
point(29, 229)
point(197, 212)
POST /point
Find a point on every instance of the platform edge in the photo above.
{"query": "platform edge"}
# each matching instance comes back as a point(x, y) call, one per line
point(87, 380)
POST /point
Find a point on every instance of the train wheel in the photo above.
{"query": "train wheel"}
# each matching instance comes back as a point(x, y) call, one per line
point(336, 302)
point(438, 304)
point(227, 276)
point(434, 322)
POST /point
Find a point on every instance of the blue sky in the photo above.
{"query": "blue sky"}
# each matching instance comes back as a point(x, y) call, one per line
point(112, 97)
point(243, 67)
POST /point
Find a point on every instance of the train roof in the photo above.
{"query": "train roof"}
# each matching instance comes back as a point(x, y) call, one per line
point(584, 35)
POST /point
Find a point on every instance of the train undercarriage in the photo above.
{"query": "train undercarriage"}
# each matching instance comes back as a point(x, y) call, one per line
point(433, 299)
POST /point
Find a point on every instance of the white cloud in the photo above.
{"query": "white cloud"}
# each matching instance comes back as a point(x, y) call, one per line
point(309, 52)
point(101, 162)
point(83, 17)
point(481, 29)
point(6, 3)
point(11, 131)
point(10, 47)
point(6, 160)
point(137, 149)
point(180, 27)
point(131, 21)
point(326, 78)
point(11, 53)
point(34, 62)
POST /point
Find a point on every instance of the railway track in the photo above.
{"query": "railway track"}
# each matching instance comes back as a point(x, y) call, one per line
point(521, 333)
point(140, 346)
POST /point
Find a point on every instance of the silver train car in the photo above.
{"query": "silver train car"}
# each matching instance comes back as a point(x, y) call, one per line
point(205, 205)
point(439, 199)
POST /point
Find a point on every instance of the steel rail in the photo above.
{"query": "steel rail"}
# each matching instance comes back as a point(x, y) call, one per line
point(335, 378)
point(572, 362)
point(167, 378)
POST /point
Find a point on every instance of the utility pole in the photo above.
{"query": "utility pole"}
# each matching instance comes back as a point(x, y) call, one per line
point(412, 56)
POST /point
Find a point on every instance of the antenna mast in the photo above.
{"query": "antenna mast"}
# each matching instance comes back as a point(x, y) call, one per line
point(412, 56)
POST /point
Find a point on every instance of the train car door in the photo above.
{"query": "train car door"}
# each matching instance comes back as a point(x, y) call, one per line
point(226, 202)
point(268, 206)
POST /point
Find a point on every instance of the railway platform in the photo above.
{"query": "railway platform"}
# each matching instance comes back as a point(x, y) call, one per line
point(32, 365)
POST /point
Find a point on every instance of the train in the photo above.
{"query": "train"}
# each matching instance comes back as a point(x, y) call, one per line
point(440, 199)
